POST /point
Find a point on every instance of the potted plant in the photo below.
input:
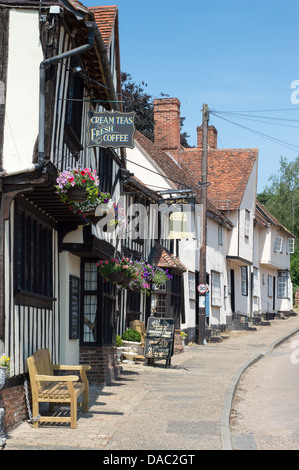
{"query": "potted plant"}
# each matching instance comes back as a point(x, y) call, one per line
point(184, 336)
point(79, 188)
point(132, 343)
point(4, 369)
point(144, 274)
point(113, 270)
point(119, 347)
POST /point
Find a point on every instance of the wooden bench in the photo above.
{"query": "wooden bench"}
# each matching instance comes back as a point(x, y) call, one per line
point(53, 389)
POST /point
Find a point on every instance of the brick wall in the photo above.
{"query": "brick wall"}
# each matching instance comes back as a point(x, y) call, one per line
point(15, 408)
point(167, 129)
point(212, 137)
point(103, 362)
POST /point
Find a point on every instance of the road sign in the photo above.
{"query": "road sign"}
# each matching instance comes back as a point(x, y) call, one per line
point(203, 288)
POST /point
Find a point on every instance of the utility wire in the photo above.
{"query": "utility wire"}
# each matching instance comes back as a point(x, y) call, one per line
point(273, 139)
point(257, 110)
point(239, 116)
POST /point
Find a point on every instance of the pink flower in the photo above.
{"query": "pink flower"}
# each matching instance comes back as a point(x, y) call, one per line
point(83, 172)
point(106, 262)
point(71, 179)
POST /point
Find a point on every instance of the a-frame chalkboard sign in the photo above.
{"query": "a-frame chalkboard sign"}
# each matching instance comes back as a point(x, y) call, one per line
point(159, 339)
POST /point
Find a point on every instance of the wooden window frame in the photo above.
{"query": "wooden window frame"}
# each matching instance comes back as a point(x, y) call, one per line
point(33, 260)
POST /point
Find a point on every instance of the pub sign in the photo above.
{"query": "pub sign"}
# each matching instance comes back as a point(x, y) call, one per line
point(111, 129)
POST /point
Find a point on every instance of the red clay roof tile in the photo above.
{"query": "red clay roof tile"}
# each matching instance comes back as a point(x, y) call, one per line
point(228, 173)
point(105, 19)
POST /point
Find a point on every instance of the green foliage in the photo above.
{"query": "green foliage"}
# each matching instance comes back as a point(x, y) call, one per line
point(281, 198)
point(131, 335)
point(137, 100)
point(119, 341)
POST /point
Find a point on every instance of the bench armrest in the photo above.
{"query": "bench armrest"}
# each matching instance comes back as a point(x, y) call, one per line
point(65, 367)
point(52, 378)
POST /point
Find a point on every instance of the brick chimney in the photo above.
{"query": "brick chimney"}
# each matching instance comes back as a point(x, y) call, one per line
point(167, 128)
point(212, 137)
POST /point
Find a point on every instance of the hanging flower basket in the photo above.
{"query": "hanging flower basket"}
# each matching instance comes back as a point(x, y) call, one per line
point(79, 188)
point(77, 194)
point(116, 277)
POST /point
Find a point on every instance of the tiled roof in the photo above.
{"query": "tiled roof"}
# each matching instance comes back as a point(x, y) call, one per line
point(78, 5)
point(105, 17)
point(228, 173)
point(264, 217)
point(166, 163)
point(178, 175)
point(162, 258)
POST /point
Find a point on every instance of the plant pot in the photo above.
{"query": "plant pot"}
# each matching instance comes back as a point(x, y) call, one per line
point(77, 194)
point(133, 347)
point(129, 355)
point(119, 351)
point(116, 277)
point(3, 371)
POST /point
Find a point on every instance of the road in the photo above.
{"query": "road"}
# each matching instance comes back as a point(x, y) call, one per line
point(265, 412)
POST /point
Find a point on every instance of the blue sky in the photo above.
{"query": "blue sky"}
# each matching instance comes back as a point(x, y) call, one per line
point(236, 56)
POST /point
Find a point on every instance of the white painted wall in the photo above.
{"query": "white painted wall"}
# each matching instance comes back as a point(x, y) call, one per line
point(143, 169)
point(69, 265)
point(22, 95)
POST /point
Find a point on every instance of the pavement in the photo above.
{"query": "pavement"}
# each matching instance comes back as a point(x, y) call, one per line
point(185, 406)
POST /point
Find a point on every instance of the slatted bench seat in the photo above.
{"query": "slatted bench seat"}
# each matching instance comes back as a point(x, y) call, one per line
point(64, 389)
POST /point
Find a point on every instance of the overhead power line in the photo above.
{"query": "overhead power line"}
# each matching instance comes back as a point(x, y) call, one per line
point(265, 136)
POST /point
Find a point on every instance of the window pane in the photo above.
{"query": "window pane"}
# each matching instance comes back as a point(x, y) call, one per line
point(216, 290)
point(192, 293)
point(158, 305)
point(270, 286)
point(90, 309)
point(282, 284)
point(244, 280)
point(278, 244)
point(90, 276)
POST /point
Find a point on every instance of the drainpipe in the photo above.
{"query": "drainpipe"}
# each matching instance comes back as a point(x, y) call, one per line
point(42, 102)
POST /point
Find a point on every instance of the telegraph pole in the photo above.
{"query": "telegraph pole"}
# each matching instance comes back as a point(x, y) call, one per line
point(203, 245)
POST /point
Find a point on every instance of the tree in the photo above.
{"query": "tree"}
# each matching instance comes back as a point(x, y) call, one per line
point(137, 100)
point(281, 198)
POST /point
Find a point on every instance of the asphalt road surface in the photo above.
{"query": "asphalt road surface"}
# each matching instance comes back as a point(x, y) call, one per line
point(265, 412)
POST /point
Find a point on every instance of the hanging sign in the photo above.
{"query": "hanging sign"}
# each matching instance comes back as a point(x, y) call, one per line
point(111, 129)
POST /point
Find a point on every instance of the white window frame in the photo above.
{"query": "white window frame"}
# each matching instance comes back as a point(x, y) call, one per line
point(291, 246)
point(278, 244)
point(216, 289)
point(192, 286)
point(247, 223)
point(244, 280)
point(220, 235)
point(270, 286)
point(283, 284)
point(255, 282)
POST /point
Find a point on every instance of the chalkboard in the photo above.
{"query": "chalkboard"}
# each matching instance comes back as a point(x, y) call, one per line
point(159, 339)
point(74, 307)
